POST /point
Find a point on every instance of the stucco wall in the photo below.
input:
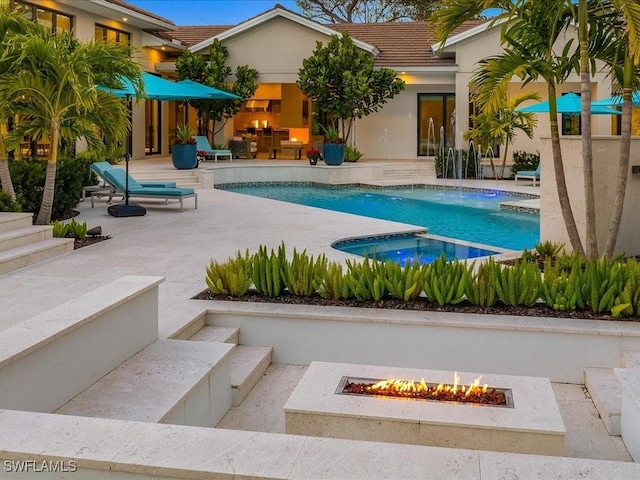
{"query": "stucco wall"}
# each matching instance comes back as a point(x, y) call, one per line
point(605, 161)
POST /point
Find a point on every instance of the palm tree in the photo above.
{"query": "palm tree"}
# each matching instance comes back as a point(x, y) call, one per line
point(11, 23)
point(529, 37)
point(497, 123)
point(53, 91)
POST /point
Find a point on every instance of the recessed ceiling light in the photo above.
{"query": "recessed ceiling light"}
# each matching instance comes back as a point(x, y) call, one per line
point(124, 19)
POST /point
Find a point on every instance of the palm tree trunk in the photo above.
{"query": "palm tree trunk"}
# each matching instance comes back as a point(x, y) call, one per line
point(44, 215)
point(558, 169)
point(504, 158)
point(5, 178)
point(623, 160)
point(587, 145)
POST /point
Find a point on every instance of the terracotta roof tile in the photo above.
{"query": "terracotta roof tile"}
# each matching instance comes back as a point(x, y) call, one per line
point(401, 44)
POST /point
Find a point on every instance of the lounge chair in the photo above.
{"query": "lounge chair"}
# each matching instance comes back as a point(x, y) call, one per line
point(100, 167)
point(241, 147)
point(529, 174)
point(203, 146)
point(117, 178)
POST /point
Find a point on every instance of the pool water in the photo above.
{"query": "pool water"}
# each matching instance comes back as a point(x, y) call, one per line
point(474, 216)
point(409, 248)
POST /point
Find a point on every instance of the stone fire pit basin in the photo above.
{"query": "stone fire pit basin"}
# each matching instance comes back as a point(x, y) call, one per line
point(533, 425)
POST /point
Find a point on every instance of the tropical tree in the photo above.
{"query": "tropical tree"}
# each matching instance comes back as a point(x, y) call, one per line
point(342, 79)
point(52, 90)
point(359, 11)
point(529, 38)
point(11, 24)
point(497, 124)
point(215, 73)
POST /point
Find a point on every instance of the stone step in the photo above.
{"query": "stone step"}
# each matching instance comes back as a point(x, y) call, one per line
point(605, 389)
point(211, 333)
point(26, 255)
point(11, 221)
point(20, 237)
point(631, 358)
point(248, 364)
point(170, 381)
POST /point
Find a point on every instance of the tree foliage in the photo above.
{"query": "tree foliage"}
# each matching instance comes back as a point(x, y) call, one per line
point(342, 79)
point(366, 11)
point(215, 73)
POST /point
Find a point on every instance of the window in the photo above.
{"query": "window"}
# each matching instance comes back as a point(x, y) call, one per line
point(108, 34)
point(56, 21)
point(436, 122)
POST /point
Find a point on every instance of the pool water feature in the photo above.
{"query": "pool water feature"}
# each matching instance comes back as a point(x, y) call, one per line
point(473, 216)
point(409, 248)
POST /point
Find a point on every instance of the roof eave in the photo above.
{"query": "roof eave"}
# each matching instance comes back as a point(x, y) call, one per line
point(277, 12)
point(158, 24)
point(467, 34)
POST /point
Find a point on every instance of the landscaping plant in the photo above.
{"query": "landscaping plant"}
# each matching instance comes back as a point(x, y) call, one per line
point(232, 277)
point(443, 282)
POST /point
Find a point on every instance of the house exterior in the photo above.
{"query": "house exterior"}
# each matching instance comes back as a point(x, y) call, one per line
point(434, 108)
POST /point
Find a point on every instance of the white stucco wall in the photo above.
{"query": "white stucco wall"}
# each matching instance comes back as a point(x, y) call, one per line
point(605, 160)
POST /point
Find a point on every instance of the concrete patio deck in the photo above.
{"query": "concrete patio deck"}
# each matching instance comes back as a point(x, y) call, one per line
point(178, 246)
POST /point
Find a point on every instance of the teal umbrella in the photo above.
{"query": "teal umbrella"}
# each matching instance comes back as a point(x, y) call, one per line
point(616, 101)
point(156, 88)
point(569, 104)
point(211, 92)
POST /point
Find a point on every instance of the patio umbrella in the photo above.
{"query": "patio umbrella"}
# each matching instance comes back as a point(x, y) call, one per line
point(157, 88)
point(616, 100)
point(211, 92)
point(569, 104)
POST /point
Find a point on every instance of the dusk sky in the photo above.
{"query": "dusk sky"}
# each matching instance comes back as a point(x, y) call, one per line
point(210, 12)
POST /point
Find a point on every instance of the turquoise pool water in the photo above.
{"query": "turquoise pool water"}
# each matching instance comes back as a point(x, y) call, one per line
point(473, 216)
point(409, 248)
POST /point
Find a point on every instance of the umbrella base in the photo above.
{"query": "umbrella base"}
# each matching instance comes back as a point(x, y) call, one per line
point(124, 210)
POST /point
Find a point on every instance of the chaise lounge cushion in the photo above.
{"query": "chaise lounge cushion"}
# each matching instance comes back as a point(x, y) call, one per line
point(100, 167)
point(117, 176)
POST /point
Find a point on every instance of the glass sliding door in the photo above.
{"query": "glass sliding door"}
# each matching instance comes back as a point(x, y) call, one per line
point(152, 137)
point(435, 120)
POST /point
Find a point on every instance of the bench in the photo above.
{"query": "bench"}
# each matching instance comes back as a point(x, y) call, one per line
point(170, 381)
point(297, 151)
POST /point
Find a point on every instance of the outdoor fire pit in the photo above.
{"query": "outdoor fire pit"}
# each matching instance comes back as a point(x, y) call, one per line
point(425, 407)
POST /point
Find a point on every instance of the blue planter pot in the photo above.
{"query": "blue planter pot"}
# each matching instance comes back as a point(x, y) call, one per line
point(333, 153)
point(184, 156)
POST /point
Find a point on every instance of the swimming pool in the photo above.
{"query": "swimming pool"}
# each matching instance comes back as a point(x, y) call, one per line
point(474, 216)
point(403, 248)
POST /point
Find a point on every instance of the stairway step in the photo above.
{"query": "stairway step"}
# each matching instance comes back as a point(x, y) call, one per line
point(248, 364)
point(605, 389)
point(631, 358)
point(11, 221)
point(210, 333)
point(24, 236)
point(20, 257)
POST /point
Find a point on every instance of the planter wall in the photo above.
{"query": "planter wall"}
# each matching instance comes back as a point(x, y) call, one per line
point(333, 153)
point(556, 348)
point(184, 156)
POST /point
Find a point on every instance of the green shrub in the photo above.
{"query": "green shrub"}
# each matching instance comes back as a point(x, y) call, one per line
point(562, 287)
point(28, 175)
point(366, 280)
point(524, 161)
point(480, 289)
point(266, 272)
point(299, 275)
point(60, 229)
point(77, 230)
point(518, 284)
point(352, 154)
point(7, 204)
point(403, 283)
point(444, 282)
point(232, 277)
point(331, 282)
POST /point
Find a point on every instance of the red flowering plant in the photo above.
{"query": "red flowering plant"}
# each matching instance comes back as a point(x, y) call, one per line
point(314, 154)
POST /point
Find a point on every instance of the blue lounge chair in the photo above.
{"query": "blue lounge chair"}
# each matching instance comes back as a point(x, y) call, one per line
point(100, 167)
point(117, 178)
point(203, 146)
point(529, 174)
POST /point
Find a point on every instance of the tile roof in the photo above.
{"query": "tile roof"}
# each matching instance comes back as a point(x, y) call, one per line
point(401, 44)
point(140, 10)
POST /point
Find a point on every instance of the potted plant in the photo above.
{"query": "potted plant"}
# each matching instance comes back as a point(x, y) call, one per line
point(333, 148)
point(314, 155)
point(184, 152)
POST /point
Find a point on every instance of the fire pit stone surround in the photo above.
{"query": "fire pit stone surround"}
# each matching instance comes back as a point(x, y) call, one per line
point(533, 426)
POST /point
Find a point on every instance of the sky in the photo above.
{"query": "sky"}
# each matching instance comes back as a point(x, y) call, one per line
point(210, 12)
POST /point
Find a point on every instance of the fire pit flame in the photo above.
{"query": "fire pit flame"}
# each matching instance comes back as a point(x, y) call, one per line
point(410, 389)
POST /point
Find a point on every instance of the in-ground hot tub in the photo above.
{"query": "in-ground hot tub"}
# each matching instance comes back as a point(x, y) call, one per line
point(531, 424)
